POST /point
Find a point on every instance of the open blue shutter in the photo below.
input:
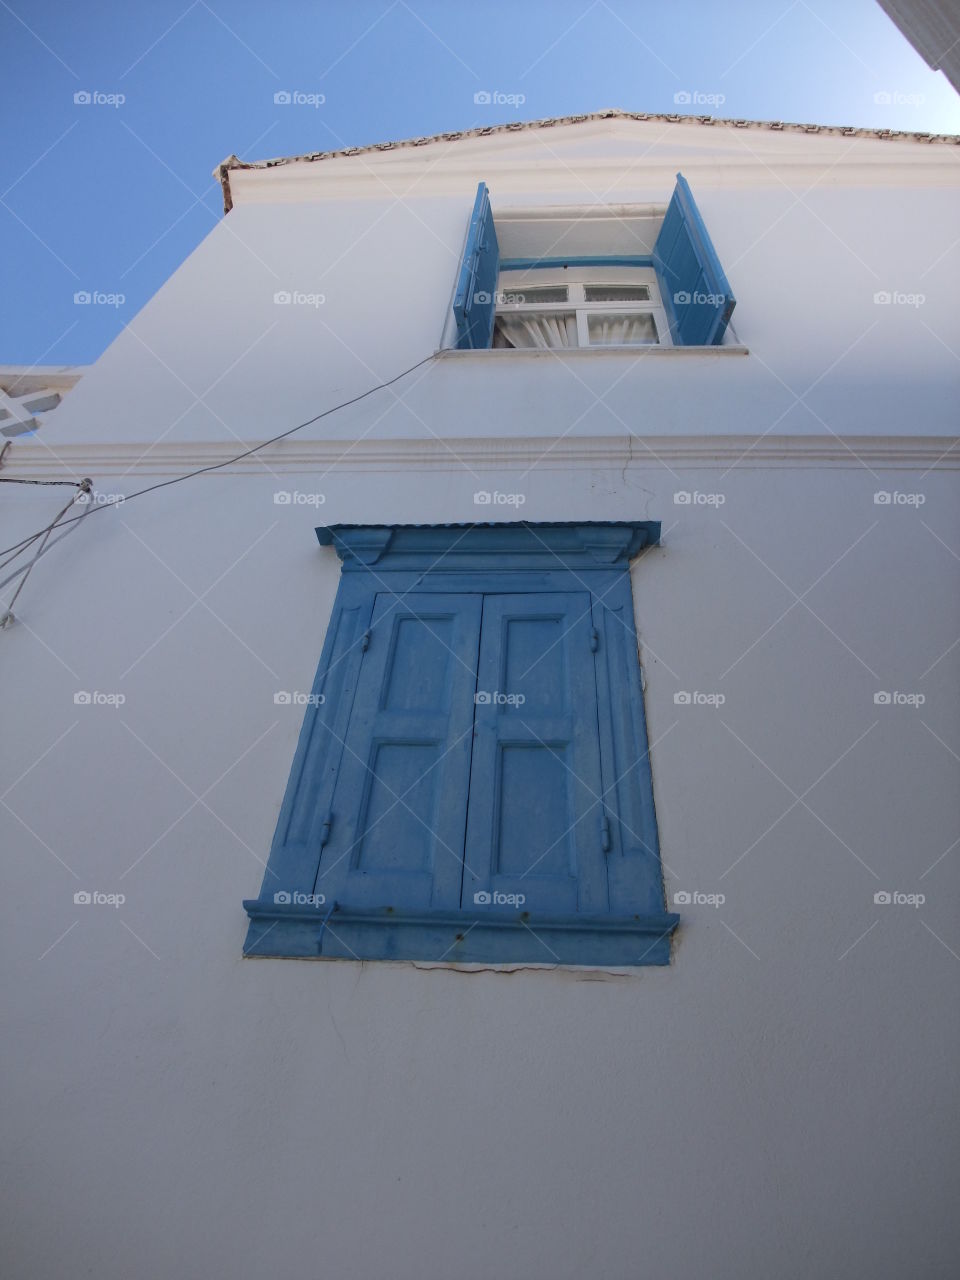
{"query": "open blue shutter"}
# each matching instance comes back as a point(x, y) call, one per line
point(396, 822)
point(475, 300)
point(536, 824)
point(695, 292)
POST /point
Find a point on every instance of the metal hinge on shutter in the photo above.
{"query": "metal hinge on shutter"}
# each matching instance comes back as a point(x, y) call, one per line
point(594, 640)
point(365, 641)
point(325, 829)
point(605, 841)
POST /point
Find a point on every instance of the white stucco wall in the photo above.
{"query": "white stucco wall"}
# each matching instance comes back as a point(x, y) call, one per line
point(805, 253)
point(777, 1101)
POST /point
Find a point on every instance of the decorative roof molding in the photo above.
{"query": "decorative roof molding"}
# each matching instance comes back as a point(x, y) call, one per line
point(233, 163)
point(28, 390)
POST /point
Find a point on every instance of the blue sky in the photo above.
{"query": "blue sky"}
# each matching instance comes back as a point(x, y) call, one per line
point(110, 196)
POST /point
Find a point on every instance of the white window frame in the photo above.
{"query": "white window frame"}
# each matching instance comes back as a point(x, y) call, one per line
point(513, 282)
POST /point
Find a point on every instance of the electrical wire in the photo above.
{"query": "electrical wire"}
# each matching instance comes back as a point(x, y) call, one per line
point(17, 480)
point(60, 533)
point(7, 617)
point(216, 466)
point(82, 486)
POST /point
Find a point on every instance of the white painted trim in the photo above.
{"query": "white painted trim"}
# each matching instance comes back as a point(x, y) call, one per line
point(546, 453)
point(308, 182)
point(579, 353)
point(578, 212)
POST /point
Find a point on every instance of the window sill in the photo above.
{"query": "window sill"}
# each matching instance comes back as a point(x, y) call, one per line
point(512, 353)
point(493, 937)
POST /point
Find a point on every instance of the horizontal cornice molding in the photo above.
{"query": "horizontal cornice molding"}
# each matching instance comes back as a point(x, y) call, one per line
point(547, 453)
point(603, 173)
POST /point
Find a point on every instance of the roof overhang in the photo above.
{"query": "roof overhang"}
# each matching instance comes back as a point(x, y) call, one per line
point(237, 175)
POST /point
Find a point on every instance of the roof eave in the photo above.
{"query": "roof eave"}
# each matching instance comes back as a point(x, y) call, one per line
point(224, 169)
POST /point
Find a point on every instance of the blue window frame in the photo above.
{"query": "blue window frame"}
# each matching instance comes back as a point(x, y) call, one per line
point(693, 286)
point(472, 781)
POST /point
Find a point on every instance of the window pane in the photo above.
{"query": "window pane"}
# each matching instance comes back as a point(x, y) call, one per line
point(621, 331)
point(617, 292)
point(521, 329)
point(541, 293)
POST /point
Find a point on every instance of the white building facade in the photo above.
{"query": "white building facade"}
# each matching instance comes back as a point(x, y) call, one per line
point(672, 987)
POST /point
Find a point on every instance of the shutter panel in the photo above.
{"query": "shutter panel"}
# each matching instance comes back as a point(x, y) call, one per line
point(535, 821)
point(399, 809)
point(295, 852)
point(475, 300)
point(633, 863)
point(695, 292)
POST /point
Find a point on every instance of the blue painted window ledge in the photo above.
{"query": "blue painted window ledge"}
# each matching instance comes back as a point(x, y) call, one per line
point(472, 781)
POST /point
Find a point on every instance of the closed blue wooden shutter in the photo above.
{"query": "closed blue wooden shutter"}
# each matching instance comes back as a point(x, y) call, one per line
point(535, 824)
point(295, 853)
point(396, 823)
point(475, 300)
point(696, 295)
point(633, 862)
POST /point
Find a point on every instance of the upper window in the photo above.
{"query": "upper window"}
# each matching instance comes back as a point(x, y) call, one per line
point(569, 282)
point(472, 781)
point(579, 307)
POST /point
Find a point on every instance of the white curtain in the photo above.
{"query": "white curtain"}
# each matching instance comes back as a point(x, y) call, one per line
point(545, 331)
point(621, 331)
